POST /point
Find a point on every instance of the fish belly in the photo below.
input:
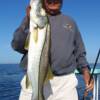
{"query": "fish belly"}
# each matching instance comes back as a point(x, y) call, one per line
point(34, 54)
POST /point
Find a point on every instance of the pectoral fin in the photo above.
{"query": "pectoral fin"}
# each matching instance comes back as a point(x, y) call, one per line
point(35, 35)
point(28, 84)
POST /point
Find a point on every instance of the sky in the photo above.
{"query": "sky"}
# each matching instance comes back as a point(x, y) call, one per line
point(86, 14)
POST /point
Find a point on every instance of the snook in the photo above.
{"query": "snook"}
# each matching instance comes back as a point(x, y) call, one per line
point(38, 48)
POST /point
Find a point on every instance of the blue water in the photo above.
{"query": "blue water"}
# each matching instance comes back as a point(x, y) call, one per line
point(10, 77)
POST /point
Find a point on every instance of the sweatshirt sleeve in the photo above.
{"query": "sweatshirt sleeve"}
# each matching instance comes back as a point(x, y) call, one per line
point(20, 36)
point(80, 52)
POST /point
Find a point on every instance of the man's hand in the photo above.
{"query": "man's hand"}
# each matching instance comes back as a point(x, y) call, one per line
point(28, 11)
point(86, 76)
point(89, 87)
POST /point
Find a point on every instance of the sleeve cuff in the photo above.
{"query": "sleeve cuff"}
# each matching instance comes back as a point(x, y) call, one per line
point(80, 69)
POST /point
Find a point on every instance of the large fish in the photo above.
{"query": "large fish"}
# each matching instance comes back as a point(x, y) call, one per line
point(38, 48)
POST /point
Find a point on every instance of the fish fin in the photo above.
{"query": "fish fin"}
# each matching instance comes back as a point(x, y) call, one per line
point(27, 42)
point(27, 82)
point(49, 75)
point(35, 34)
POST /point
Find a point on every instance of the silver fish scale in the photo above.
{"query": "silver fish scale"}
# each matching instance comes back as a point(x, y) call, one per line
point(37, 68)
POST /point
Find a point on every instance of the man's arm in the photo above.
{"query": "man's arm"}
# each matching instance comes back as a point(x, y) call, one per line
point(82, 63)
point(20, 35)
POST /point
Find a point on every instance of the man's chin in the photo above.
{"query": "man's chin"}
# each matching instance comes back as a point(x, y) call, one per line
point(54, 12)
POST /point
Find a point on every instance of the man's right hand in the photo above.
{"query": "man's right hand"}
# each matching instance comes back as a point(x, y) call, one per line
point(28, 11)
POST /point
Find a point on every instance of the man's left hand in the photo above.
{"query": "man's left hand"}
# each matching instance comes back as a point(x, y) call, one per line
point(89, 87)
point(86, 76)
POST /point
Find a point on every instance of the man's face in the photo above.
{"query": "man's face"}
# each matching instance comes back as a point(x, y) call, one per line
point(52, 6)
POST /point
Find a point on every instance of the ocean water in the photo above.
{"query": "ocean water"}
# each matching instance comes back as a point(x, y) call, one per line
point(10, 77)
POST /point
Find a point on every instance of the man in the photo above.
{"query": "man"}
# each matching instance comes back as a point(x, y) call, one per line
point(67, 53)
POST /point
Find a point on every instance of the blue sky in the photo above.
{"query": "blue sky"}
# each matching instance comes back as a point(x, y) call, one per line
point(86, 13)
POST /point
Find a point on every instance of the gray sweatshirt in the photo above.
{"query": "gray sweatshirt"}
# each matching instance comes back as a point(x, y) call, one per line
point(67, 50)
